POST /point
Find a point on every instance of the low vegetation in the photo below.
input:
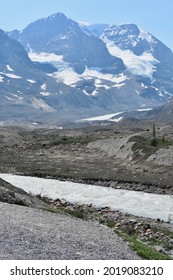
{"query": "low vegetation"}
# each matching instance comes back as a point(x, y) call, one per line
point(75, 213)
point(145, 147)
point(144, 250)
point(129, 229)
point(60, 140)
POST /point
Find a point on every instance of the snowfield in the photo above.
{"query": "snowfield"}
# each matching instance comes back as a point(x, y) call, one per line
point(106, 117)
point(143, 65)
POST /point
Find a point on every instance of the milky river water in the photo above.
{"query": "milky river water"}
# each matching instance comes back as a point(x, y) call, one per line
point(132, 202)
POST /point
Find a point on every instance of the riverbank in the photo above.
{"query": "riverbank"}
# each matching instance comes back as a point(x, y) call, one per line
point(154, 237)
point(119, 184)
point(127, 201)
point(151, 239)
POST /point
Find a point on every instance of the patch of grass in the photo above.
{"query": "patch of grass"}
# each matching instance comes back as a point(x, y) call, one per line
point(142, 249)
point(75, 213)
point(51, 210)
point(148, 253)
point(164, 243)
point(101, 221)
point(166, 231)
point(111, 224)
point(146, 147)
point(43, 198)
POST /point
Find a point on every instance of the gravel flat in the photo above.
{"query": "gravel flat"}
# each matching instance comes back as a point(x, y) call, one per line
point(27, 233)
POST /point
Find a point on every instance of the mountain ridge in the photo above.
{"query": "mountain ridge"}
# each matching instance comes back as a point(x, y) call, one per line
point(95, 69)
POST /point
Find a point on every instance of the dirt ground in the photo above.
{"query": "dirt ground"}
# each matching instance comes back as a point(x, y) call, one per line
point(117, 155)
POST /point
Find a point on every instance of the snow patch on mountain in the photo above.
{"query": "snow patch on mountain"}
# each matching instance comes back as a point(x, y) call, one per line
point(56, 60)
point(83, 23)
point(146, 36)
point(44, 57)
point(9, 68)
point(43, 87)
point(68, 76)
point(119, 85)
point(143, 65)
point(12, 76)
point(16, 96)
point(43, 93)
point(9, 98)
point(31, 81)
point(99, 75)
point(106, 117)
point(1, 79)
point(144, 110)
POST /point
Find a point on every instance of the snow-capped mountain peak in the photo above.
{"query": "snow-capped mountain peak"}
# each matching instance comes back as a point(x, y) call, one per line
point(142, 65)
point(86, 69)
point(131, 37)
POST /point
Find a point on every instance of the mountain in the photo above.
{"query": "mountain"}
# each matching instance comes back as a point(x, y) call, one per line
point(62, 36)
point(94, 29)
point(20, 81)
point(131, 43)
point(83, 70)
point(163, 113)
point(27, 93)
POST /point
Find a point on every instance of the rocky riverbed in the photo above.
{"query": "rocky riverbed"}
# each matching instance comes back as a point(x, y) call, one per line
point(154, 233)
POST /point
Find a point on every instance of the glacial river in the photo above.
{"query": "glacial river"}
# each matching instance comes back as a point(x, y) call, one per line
point(132, 202)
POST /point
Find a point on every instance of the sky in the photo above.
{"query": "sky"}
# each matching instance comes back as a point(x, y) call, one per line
point(155, 16)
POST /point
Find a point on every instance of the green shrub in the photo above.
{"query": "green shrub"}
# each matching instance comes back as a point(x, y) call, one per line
point(75, 213)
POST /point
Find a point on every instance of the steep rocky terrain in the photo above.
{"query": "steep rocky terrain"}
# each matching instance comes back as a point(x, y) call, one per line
point(163, 113)
point(62, 36)
point(83, 71)
point(13, 195)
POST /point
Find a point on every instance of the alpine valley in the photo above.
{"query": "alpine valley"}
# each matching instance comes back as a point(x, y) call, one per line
point(91, 107)
point(57, 70)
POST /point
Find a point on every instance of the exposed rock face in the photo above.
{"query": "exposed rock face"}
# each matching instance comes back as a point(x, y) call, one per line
point(62, 36)
point(10, 50)
point(163, 113)
point(73, 71)
point(14, 195)
point(139, 42)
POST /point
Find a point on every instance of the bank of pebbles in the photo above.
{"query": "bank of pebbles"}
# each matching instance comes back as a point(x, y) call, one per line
point(145, 229)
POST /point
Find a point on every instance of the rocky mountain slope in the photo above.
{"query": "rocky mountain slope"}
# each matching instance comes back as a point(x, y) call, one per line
point(21, 83)
point(156, 59)
point(30, 94)
point(83, 70)
point(163, 113)
point(62, 36)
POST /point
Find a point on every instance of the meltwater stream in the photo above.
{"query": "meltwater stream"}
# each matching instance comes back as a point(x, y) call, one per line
point(132, 202)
